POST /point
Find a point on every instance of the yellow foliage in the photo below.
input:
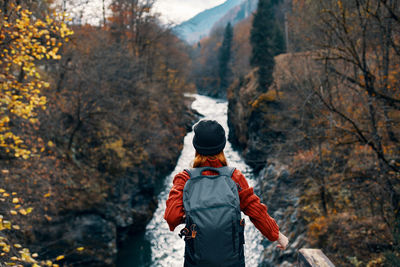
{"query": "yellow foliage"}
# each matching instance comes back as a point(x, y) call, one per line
point(60, 257)
point(21, 42)
point(23, 212)
point(270, 96)
point(376, 262)
point(117, 146)
point(318, 227)
point(50, 144)
point(6, 244)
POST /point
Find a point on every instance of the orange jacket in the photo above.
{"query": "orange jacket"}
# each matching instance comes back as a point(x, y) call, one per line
point(249, 203)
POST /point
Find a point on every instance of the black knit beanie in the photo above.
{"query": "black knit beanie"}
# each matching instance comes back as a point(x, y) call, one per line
point(209, 137)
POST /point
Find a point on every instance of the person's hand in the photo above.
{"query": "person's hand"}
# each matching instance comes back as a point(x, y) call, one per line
point(282, 241)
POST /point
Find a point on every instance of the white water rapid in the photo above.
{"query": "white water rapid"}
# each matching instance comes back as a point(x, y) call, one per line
point(161, 247)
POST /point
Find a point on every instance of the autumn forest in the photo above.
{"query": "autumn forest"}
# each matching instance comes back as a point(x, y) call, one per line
point(93, 117)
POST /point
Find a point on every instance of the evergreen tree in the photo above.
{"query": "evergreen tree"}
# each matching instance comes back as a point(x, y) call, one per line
point(267, 41)
point(224, 57)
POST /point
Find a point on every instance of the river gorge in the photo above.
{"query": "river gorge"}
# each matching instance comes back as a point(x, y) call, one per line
point(160, 247)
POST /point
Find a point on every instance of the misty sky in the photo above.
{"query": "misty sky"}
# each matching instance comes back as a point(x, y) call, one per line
point(177, 11)
point(172, 11)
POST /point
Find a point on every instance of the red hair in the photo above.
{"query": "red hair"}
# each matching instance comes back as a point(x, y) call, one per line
point(199, 159)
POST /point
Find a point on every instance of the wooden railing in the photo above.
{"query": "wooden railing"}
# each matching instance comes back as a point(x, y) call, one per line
point(313, 258)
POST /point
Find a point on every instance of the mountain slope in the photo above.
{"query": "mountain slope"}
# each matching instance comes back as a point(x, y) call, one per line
point(200, 25)
point(237, 14)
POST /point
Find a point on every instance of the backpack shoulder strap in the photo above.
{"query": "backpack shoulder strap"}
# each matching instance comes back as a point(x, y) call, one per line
point(193, 172)
point(226, 171)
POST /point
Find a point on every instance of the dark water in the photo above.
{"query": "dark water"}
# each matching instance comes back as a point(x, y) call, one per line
point(160, 247)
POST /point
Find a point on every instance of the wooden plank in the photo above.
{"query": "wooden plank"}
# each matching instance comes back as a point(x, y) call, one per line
point(313, 258)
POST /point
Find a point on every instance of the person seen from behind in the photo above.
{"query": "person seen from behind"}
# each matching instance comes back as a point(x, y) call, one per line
point(208, 199)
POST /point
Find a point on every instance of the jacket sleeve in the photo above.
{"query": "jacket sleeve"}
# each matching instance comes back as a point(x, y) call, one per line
point(251, 206)
point(174, 211)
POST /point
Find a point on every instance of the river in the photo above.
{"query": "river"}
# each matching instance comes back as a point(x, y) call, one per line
point(160, 247)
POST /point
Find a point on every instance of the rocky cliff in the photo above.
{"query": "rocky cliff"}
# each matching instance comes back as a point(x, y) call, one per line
point(280, 191)
point(262, 126)
point(253, 121)
point(315, 184)
point(98, 197)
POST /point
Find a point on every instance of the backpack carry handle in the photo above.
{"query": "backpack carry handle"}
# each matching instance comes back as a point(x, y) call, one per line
point(222, 171)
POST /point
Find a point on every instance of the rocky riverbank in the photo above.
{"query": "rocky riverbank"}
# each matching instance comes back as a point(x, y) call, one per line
point(260, 130)
point(320, 184)
point(100, 195)
point(281, 192)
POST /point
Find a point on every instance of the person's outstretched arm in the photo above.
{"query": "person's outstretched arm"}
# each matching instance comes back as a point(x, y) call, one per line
point(174, 213)
point(251, 206)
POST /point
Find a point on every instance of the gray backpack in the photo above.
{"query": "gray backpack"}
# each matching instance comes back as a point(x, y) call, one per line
point(214, 231)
